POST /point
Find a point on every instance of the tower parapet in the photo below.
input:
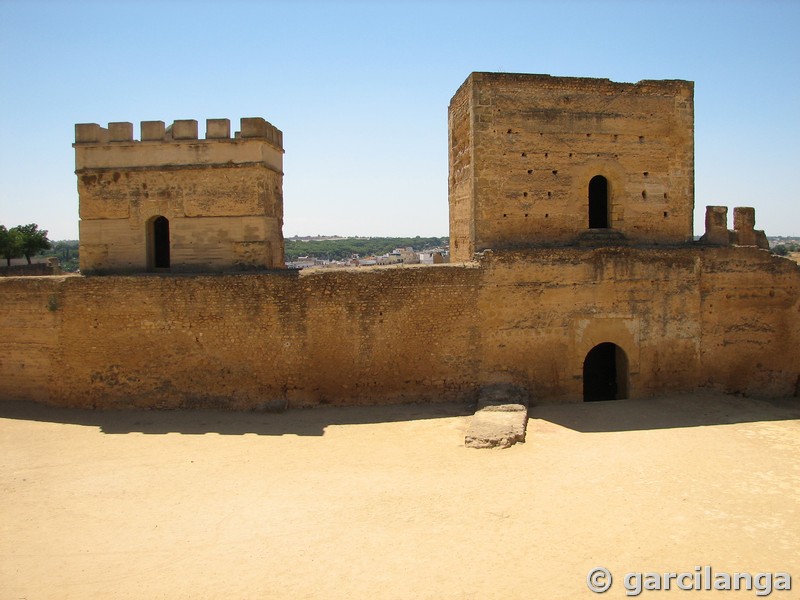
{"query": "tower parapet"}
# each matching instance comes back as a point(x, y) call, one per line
point(184, 129)
point(177, 144)
point(171, 200)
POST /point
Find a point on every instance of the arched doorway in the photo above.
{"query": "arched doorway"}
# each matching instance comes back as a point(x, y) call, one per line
point(158, 243)
point(598, 202)
point(605, 373)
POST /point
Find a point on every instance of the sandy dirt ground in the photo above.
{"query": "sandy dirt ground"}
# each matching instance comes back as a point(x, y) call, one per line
point(388, 503)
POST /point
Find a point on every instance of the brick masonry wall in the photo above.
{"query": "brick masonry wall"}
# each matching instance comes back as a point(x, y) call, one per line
point(29, 336)
point(687, 318)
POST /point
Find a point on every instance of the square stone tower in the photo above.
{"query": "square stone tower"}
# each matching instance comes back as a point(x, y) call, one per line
point(537, 160)
point(172, 202)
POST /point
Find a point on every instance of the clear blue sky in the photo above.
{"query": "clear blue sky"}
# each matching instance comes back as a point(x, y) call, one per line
point(360, 90)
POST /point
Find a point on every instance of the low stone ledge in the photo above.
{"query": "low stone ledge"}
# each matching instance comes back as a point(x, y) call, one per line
point(500, 419)
point(496, 428)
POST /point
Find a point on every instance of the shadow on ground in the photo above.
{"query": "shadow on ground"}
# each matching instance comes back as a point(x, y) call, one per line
point(312, 421)
point(680, 410)
point(684, 410)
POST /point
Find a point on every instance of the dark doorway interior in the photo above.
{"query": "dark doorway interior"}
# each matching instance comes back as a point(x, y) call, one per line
point(605, 373)
point(161, 243)
point(598, 202)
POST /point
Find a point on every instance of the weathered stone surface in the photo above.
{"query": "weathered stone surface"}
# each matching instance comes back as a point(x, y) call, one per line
point(497, 428)
point(501, 417)
point(152, 131)
point(184, 129)
point(502, 397)
point(218, 129)
point(120, 132)
point(716, 226)
point(744, 220)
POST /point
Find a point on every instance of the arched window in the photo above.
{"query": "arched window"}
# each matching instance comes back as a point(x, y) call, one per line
point(598, 202)
point(605, 373)
point(158, 243)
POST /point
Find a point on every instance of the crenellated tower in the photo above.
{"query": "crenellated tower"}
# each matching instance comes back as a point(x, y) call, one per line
point(171, 201)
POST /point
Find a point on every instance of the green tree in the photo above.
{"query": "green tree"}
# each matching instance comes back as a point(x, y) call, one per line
point(67, 253)
point(32, 239)
point(780, 250)
point(10, 244)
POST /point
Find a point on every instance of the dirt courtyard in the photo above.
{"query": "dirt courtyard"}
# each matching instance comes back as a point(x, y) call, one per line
point(386, 502)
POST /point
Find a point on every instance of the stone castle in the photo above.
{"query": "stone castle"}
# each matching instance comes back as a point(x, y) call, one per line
point(574, 272)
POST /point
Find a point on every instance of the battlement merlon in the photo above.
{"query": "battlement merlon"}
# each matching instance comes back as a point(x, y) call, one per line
point(178, 145)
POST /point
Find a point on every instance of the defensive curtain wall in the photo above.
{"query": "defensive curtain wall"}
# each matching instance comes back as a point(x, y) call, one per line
point(724, 318)
point(615, 301)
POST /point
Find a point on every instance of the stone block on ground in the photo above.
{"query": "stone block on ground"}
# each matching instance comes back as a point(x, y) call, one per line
point(500, 419)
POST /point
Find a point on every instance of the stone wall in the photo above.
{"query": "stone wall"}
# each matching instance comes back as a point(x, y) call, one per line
point(687, 318)
point(545, 309)
point(30, 325)
point(523, 149)
point(51, 267)
point(750, 315)
point(348, 336)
